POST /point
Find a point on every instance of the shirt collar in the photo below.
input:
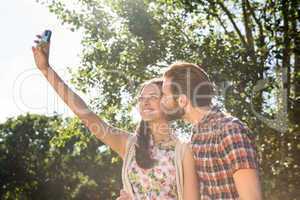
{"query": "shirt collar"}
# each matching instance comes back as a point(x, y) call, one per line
point(209, 115)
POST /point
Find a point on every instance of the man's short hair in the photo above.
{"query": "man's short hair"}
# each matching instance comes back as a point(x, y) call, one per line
point(191, 80)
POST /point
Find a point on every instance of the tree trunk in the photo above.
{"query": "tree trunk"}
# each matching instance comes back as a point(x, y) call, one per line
point(295, 14)
point(286, 54)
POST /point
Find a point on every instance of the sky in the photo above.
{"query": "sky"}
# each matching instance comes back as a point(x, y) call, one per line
point(23, 87)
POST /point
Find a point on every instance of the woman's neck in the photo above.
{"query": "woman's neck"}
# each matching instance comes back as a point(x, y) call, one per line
point(160, 131)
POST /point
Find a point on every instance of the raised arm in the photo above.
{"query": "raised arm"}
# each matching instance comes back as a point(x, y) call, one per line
point(111, 136)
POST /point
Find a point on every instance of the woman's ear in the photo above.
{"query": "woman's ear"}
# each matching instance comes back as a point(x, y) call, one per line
point(182, 101)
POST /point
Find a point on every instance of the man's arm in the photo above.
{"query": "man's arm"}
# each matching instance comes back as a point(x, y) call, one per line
point(241, 156)
point(247, 184)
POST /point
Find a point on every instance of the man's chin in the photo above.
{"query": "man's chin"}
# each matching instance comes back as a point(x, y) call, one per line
point(175, 115)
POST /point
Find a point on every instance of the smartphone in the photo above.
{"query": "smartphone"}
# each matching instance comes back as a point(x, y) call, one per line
point(45, 38)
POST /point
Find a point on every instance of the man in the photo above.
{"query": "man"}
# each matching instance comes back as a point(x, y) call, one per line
point(224, 153)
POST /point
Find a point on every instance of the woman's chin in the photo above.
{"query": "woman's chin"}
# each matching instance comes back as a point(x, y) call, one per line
point(149, 118)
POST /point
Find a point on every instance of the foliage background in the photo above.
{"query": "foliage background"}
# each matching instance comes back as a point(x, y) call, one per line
point(250, 48)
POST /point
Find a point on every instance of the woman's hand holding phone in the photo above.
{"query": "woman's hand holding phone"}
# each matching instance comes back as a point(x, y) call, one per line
point(41, 50)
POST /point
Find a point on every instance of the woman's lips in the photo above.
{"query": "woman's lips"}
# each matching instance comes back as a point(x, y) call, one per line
point(148, 110)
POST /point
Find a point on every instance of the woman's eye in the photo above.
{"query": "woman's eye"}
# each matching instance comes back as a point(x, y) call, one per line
point(140, 99)
point(154, 97)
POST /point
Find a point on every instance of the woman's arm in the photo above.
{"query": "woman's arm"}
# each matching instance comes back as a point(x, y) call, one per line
point(190, 179)
point(111, 136)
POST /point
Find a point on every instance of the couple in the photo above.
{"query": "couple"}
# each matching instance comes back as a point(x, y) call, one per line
point(218, 163)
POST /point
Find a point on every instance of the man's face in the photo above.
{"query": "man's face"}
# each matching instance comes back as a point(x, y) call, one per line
point(169, 102)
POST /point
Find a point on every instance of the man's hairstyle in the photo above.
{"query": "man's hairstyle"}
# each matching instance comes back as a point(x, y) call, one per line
point(191, 80)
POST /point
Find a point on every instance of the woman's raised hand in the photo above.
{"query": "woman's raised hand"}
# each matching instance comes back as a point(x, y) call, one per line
point(115, 138)
point(41, 53)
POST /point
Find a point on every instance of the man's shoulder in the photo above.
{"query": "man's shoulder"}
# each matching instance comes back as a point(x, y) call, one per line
point(234, 131)
point(232, 124)
point(226, 126)
point(221, 125)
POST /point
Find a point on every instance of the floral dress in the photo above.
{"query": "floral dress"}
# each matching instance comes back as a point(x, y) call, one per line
point(158, 182)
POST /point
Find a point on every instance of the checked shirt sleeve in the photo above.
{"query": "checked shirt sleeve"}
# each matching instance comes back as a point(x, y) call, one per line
point(237, 148)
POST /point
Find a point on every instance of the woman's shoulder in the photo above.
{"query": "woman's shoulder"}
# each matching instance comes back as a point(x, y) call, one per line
point(182, 140)
point(183, 146)
point(132, 138)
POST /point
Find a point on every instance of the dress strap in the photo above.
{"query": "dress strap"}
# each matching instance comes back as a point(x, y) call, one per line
point(179, 156)
point(129, 153)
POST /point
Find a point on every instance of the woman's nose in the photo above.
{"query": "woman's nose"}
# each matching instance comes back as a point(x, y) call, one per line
point(146, 102)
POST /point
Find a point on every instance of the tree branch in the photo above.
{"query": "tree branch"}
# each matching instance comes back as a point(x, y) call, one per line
point(248, 31)
point(229, 15)
point(254, 16)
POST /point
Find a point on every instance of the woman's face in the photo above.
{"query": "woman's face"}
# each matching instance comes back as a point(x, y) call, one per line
point(149, 103)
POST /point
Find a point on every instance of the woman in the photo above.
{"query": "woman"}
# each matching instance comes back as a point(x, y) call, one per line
point(156, 165)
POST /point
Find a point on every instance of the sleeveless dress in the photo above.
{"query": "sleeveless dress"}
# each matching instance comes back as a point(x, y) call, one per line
point(158, 182)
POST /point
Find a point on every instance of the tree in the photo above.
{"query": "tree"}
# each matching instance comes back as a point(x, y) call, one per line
point(24, 161)
point(250, 49)
point(52, 158)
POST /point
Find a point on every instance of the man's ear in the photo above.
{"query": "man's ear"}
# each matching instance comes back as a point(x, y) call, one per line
point(182, 101)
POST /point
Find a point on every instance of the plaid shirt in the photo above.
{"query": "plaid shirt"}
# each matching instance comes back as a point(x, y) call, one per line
point(221, 145)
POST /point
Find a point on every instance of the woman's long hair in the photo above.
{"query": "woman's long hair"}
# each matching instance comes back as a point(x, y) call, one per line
point(143, 131)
